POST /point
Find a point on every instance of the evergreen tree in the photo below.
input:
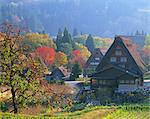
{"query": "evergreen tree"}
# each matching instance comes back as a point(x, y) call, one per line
point(66, 48)
point(90, 43)
point(67, 37)
point(76, 71)
point(59, 39)
point(137, 33)
point(143, 32)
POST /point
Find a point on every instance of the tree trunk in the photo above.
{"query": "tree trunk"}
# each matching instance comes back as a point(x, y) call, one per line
point(14, 100)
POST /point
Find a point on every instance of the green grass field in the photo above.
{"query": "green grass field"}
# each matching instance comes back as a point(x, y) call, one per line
point(121, 114)
point(99, 112)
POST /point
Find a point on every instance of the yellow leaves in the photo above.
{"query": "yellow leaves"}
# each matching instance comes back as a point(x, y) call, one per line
point(103, 42)
point(22, 57)
point(60, 59)
point(84, 51)
point(1, 36)
point(41, 39)
point(46, 70)
point(147, 46)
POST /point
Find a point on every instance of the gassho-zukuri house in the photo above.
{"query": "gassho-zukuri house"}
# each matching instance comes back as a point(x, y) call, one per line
point(93, 61)
point(121, 69)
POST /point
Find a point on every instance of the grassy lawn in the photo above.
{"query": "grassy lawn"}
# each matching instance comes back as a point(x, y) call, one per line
point(98, 112)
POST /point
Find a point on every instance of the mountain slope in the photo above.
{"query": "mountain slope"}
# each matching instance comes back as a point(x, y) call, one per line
point(99, 17)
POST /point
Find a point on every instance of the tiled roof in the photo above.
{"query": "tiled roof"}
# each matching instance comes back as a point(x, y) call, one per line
point(64, 71)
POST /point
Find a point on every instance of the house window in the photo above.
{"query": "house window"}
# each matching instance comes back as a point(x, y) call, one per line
point(94, 63)
point(121, 81)
point(97, 58)
point(122, 66)
point(126, 81)
point(102, 82)
point(113, 59)
point(123, 59)
point(118, 52)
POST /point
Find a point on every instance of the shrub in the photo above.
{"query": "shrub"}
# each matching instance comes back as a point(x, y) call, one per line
point(78, 107)
point(3, 107)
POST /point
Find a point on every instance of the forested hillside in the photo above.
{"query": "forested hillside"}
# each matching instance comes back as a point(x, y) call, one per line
point(99, 17)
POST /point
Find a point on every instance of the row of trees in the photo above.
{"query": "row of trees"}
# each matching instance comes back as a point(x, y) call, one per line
point(65, 40)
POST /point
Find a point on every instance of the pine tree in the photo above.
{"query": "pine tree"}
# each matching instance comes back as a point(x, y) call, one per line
point(76, 71)
point(59, 39)
point(90, 43)
point(67, 37)
point(137, 33)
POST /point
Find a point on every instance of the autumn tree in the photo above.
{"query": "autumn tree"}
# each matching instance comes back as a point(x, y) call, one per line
point(18, 72)
point(102, 42)
point(35, 40)
point(60, 59)
point(46, 54)
point(84, 51)
point(76, 56)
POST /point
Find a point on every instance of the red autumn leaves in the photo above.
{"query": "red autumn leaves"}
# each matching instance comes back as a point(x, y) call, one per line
point(49, 55)
point(77, 57)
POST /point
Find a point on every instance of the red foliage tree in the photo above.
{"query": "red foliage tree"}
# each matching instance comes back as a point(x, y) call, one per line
point(77, 57)
point(47, 54)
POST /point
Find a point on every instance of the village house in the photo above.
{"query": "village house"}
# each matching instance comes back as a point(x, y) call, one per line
point(59, 73)
point(93, 61)
point(121, 69)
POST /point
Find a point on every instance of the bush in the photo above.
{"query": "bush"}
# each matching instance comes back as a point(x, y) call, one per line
point(78, 107)
point(56, 81)
point(3, 107)
point(134, 97)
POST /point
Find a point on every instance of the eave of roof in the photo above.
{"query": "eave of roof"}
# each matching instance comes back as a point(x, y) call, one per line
point(118, 73)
